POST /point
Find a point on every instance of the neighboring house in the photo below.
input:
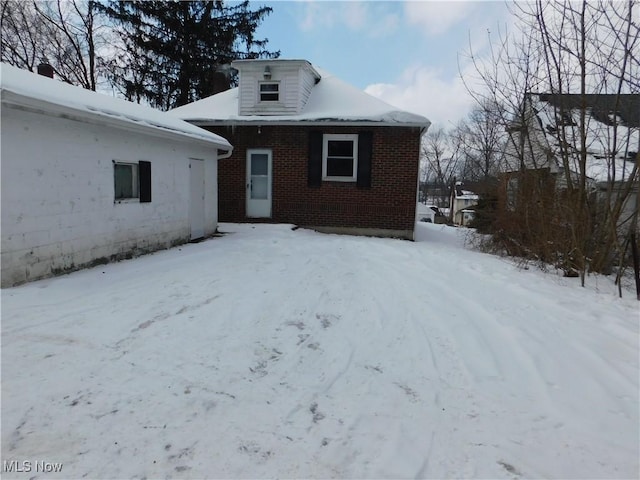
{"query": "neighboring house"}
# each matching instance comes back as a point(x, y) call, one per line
point(549, 139)
point(462, 202)
point(313, 151)
point(88, 178)
point(430, 214)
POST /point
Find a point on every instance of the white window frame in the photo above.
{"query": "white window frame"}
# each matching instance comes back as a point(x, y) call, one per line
point(326, 138)
point(135, 187)
point(260, 92)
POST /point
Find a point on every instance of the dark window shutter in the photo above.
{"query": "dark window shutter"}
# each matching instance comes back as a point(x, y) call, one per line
point(365, 149)
point(314, 178)
point(144, 177)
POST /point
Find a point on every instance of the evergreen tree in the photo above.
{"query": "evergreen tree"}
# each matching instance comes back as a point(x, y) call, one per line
point(177, 52)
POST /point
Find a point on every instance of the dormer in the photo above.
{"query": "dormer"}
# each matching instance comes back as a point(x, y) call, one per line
point(274, 87)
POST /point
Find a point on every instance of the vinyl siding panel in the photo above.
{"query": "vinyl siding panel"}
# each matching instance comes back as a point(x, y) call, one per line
point(296, 82)
point(306, 83)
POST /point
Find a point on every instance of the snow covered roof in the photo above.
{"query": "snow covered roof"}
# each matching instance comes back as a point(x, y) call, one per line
point(462, 194)
point(29, 90)
point(468, 197)
point(276, 62)
point(331, 101)
point(612, 125)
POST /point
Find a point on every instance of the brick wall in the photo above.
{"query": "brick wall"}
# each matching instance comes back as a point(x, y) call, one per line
point(389, 203)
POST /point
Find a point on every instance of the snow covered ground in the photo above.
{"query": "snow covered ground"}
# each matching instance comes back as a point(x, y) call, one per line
point(277, 353)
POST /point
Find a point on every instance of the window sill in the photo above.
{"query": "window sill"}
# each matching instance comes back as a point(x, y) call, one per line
point(127, 200)
point(339, 179)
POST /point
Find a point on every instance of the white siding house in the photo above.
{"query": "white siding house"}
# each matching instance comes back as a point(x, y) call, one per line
point(87, 178)
point(462, 202)
point(553, 139)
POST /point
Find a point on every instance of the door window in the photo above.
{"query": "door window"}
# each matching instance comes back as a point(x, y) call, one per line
point(259, 176)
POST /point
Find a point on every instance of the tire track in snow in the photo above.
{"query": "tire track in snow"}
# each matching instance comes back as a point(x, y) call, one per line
point(395, 358)
point(511, 338)
point(446, 451)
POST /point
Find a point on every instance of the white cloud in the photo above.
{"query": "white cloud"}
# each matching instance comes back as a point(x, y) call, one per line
point(427, 91)
point(355, 15)
point(438, 17)
point(317, 16)
point(440, 93)
point(371, 18)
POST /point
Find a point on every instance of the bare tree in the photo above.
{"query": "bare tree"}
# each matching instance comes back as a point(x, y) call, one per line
point(587, 50)
point(72, 47)
point(24, 35)
point(577, 53)
point(69, 35)
point(481, 138)
point(440, 164)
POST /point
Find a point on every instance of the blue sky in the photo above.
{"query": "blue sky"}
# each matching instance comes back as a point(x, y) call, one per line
point(409, 54)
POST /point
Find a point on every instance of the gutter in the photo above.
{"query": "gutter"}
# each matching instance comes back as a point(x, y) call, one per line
point(227, 154)
point(310, 123)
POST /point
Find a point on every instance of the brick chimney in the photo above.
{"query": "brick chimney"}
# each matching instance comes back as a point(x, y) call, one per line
point(46, 70)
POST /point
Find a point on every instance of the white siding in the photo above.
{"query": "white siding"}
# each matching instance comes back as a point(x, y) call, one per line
point(290, 93)
point(58, 210)
point(532, 152)
point(296, 81)
point(307, 81)
point(247, 92)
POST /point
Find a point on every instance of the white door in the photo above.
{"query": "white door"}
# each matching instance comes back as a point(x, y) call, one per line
point(196, 205)
point(259, 166)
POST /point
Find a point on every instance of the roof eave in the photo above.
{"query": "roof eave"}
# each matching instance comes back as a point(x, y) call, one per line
point(313, 122)
point(35, 105)
point(276, 61)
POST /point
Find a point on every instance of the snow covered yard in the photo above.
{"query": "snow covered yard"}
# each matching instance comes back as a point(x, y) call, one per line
point(291, 354)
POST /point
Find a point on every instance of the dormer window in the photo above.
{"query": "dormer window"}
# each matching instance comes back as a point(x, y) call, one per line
point(269, 91)
point(274, 87)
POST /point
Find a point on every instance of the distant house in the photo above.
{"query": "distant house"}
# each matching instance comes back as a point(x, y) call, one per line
point(549, 140)
point(430, 214)
point(462, 202)
point(87, 178)
point(312, 151)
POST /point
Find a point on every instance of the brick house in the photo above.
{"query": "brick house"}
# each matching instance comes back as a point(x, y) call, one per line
point(312, 151)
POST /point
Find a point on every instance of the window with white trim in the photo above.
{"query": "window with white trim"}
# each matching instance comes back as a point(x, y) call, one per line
point(269, 91)
point(340, 157)
point(126, 180)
